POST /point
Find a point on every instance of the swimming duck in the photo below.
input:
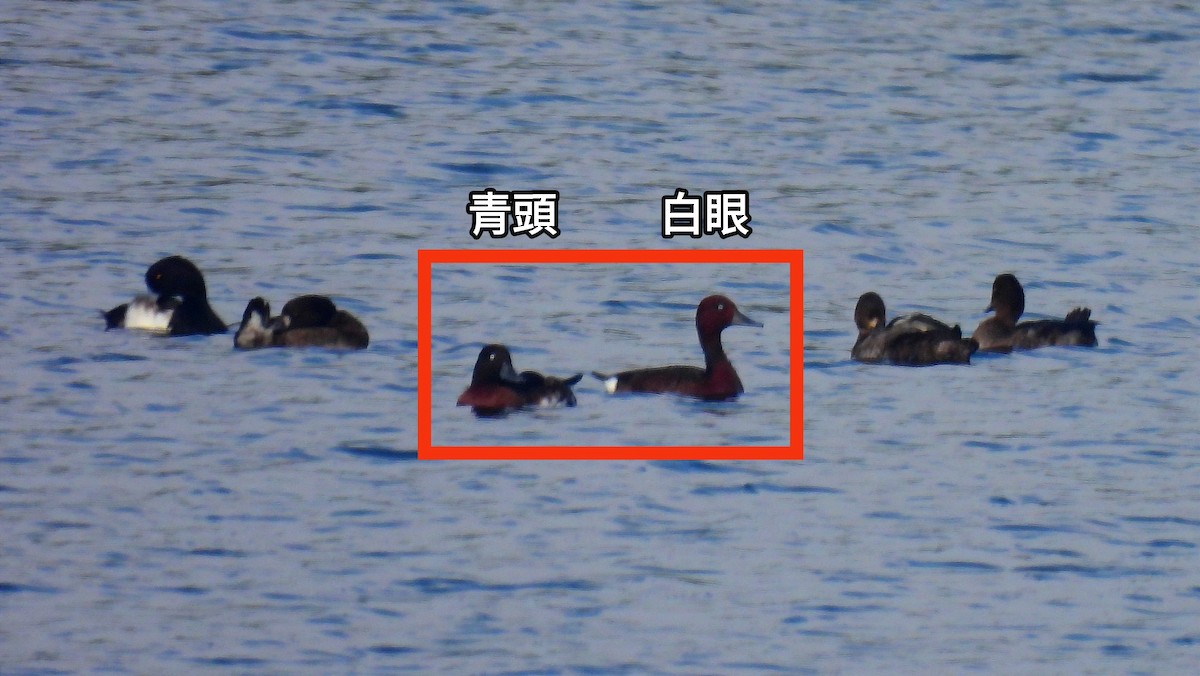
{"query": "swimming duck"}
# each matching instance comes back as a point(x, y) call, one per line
point(179, 308)
point(305, 321)
point(908, 340)
point(715, 382)
point(496, 387)
point(1002, 333)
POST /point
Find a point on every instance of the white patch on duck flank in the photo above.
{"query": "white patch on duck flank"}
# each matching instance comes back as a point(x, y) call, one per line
point(144, 314)
point(253, 332)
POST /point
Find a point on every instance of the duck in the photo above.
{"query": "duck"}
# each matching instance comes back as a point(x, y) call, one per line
point(179, 306)
point(1002, 333)
point(717, 381)
point(497, 388)
point(908, 340)
point(305, 321)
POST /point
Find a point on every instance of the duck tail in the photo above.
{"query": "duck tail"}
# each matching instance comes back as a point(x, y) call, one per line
point(1080, 315)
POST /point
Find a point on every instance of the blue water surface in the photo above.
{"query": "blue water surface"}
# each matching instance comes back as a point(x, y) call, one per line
point(173, 506)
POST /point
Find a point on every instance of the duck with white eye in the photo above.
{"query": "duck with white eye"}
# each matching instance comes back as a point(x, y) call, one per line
point(178, 308)
point(305, 321)
point(717, 381)
point(496, 388)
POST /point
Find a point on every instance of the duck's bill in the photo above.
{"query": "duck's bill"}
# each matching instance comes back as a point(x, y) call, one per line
point(740, 319)
point(509, 375)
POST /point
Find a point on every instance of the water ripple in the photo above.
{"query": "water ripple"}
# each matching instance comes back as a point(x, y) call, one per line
point(442, 585)
point(378, 453)
point(751, 488)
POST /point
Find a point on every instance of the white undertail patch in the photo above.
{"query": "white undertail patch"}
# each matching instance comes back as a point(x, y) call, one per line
point(610, 384)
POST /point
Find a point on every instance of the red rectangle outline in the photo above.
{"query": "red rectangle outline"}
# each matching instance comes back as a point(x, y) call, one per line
point(426, 258)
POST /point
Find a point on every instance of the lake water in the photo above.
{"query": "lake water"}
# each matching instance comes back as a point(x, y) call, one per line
point(173, 506)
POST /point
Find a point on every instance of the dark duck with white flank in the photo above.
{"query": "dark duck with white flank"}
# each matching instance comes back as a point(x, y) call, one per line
point(178, 308)
point(305, 321)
